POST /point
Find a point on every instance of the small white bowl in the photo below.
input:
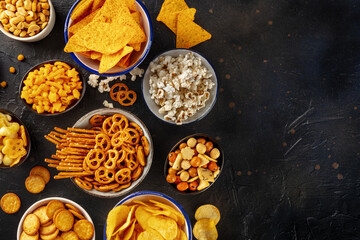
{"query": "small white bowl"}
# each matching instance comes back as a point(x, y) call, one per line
point(83, 122)
point(160, 197)
point(154, 108)
point(136, 57)
point(41, 35)
point(45, 202)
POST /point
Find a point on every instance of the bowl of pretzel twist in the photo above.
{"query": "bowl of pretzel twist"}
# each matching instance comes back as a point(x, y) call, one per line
point(106, 153)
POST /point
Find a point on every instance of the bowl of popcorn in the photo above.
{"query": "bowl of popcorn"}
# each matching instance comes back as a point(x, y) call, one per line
point(180, 86)
point(15, 142)
point(98, 40)
point(56, 218)
point(194, 164)
point(52, 88)
point(27, 20)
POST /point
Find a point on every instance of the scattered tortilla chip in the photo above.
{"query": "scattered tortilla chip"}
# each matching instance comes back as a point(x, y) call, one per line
point(189, 33)
point(169, 7)
point(81, 9)
point(82, 23)
point(173, 18)
point(108, 61)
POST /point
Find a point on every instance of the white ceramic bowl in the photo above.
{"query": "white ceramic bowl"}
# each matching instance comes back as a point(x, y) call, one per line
point(41, 35)
point(136, 57)
point(154, 108)
point(83, 122)
point(45, 202)
point(150, 195)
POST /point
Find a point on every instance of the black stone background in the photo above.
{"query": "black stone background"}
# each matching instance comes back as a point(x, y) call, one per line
point(287, 116)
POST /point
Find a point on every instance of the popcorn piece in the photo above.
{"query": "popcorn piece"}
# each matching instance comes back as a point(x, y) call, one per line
point(108, 105)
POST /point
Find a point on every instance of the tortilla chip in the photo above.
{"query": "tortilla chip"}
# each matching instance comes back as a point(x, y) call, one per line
point(135, 46)
point(73, 45)
point(108, 61)
point(85, 54)
point(136, 16)
point(124, 62)
point(189, 33)
point(170, 6)
point(95, 55)
point(82, 23)
point(171, 21)
point(82, 9)
point(97, 4)
point(131, 5)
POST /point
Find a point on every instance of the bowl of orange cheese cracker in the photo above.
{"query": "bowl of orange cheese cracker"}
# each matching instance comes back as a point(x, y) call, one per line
point(56, 218)
point(108, 37)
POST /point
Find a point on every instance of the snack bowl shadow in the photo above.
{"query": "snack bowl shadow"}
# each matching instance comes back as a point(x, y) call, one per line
point(37, 37)
point(44, 202)
point(220, 162)
point(160, 197)
point(28, 147)
point(154, 108)
point(71, 106)
point(136, 57)
point(83, 122)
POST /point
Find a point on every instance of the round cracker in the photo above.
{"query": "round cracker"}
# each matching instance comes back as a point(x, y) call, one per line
point(64, 220)
point(10, 203)
point(42, 172)
point(46, 230)
point(70, 235)
point(76, 214)
point(25, 236)
point(41, 214)
point(208, 211)
point(51, 236)
point(52, 206)
point(31, 224)
point(35, 184)
point(84, 229)
point(69, 206)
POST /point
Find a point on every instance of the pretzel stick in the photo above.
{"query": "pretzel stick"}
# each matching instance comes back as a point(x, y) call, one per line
point(57, 134)
point(60, 130)
point(80, 130)
point(80, 135)
point(51, 140)
point(73, 161)
point(77, 145)
point(52, 161)
point(69, 169)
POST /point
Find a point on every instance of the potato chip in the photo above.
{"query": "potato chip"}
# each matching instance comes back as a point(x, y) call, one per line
point(142, 216)
point(83, 22)
point(205, 229)
point(181, 219)
point(189, 33)
point(167, 227)
point(127, 223)
point(109, 61)
point(150, 234)
point(81, 9)
point(208, 211)
point(129, 231)
point(166, 14)
point(116, 217)
point(182, 235)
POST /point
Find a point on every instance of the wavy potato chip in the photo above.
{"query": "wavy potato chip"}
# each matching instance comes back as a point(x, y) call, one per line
point(181, 219)
point(167, 227)
point(142, 216)
point(150, 234)
point(208, 211)
point(116, 217)
point(205, 229)
point(128, 221)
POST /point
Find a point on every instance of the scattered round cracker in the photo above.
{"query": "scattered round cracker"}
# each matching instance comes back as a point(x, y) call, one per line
point(31, 224)
point(10, 203)
point(52, 206)
point(42, 172)
point(41, 214)
point(46, 230)
point(70, 235)
point(84, 229)
point(64, 220)
point(51, 236)
point(205, 229)
point(208, 211)
point(25, 236)
point(35, 184)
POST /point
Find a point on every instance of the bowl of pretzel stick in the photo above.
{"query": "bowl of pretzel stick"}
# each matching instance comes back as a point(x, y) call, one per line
point(106, 153)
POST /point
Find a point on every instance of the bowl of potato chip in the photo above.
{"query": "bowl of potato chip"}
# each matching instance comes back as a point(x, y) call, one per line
point(56, 218)
point(194, 164)
point(52, 88)
point(147, 215)
point(15, 141)
point(108, 38)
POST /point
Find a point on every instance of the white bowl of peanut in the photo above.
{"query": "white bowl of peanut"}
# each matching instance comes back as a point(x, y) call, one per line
point(26, 20)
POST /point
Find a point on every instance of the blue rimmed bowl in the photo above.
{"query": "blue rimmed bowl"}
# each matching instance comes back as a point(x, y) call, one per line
point(160, 197)
point(136, 57)
point(200, 114)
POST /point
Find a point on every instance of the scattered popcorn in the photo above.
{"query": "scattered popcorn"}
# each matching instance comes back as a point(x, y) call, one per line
point(136, 72)
point(93, 80)
point(108, 105)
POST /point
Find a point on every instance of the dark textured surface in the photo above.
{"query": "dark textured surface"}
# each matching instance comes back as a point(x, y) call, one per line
point(287, 117)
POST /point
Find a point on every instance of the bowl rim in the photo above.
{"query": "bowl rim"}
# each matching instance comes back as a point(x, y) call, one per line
point(37, 37)
point(212, 104)
point(43, 202)
point(56, 113)
point(125, 71)
point(221, 158)
point(148, 160)
point(13, 115)
point(158, 194)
